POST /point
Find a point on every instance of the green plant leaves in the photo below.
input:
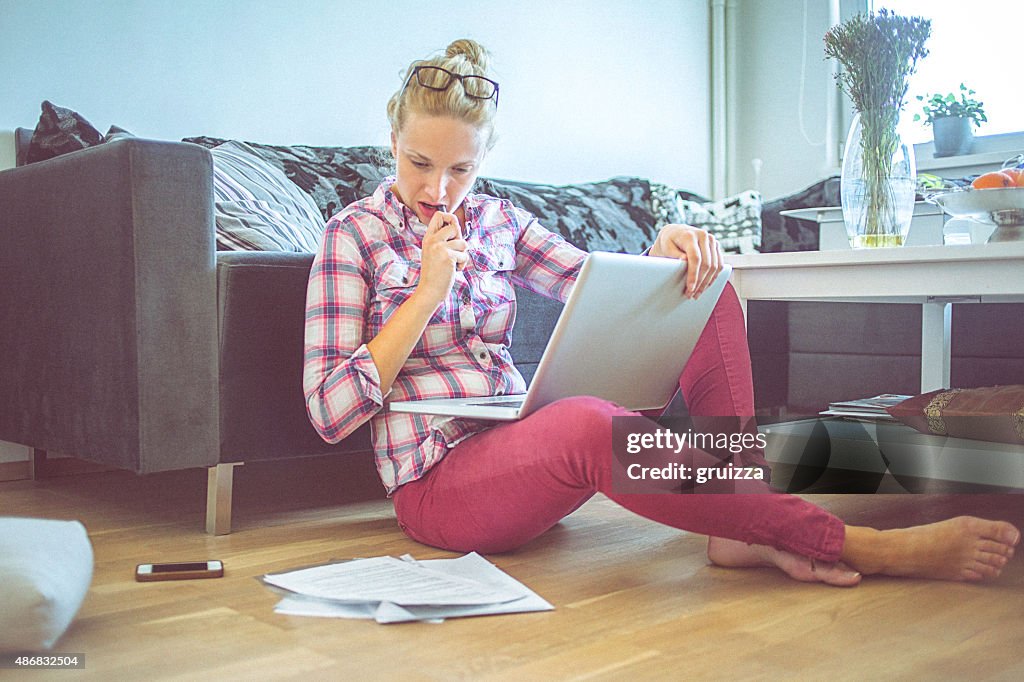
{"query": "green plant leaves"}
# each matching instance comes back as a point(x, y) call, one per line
point(942, 106)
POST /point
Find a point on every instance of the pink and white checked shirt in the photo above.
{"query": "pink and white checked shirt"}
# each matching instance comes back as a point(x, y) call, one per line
point(368, 265)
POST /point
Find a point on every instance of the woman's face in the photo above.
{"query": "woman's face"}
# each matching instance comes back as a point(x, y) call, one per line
point(438, 161)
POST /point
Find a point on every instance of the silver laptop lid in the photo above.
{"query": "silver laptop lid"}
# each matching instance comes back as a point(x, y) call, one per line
point(625, 333)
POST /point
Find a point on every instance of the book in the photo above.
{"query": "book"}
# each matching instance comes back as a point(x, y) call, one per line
point(873, 408)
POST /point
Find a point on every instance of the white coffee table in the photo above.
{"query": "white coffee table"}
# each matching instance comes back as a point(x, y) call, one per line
point(934, 277)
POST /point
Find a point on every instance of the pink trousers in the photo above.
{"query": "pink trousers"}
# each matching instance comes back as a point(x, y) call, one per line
point(499, 489)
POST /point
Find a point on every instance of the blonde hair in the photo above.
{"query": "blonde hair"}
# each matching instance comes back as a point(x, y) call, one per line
point(465, 57)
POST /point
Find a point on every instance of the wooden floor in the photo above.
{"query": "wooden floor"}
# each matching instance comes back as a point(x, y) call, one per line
point(633, 600)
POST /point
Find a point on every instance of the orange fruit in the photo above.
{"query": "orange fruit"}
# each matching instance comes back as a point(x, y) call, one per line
point(993, 180)
point(1016, 174)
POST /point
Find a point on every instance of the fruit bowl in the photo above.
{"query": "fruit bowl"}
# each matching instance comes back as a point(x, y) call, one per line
point(1003, 207)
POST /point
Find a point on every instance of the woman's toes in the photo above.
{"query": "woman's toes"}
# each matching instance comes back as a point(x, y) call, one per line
point(971, 576)
point(997, 560)
point(1003, 532)
point(839, 575)
point(993, 547)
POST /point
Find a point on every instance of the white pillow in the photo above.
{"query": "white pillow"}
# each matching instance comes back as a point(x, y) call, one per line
point(45, 571)
point(245, 181)
point(258, 226)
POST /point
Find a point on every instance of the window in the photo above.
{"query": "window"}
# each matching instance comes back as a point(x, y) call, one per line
point(974, 43)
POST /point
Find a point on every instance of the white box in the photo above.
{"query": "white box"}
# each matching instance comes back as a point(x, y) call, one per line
point(925, 230)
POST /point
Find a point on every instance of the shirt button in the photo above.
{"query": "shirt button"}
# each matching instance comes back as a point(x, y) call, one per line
point(483, 356)
point(465, 298)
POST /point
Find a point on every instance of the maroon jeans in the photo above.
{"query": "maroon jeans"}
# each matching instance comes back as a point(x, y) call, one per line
point(501, 488)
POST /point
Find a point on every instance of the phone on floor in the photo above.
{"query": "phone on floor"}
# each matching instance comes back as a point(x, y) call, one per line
point(180, 571)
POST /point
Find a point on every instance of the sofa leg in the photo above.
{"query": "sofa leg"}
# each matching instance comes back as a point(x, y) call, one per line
point(218, 498)
point(37, 464)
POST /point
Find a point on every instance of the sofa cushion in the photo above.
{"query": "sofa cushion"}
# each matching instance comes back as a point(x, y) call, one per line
point(45, 571)
point(665, 204)
point(257, 226)
point(614, 215)
point(782, 233)
point(257, 207)
point(61, 130)
point(735, 221)
point(333, 176)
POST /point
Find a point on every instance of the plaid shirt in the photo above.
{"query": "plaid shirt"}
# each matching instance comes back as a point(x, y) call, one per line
point(368, 265)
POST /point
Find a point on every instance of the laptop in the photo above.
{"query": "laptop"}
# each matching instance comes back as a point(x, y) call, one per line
point(624, 335)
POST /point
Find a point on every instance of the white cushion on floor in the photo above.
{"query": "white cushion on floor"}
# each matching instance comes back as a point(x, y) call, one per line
point(45, 571)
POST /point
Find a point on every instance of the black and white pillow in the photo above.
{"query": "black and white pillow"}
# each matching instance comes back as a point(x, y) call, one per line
point(257, 208)
point(735, 221)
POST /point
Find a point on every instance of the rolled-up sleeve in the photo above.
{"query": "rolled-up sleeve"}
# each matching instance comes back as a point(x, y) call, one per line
point(340, 379)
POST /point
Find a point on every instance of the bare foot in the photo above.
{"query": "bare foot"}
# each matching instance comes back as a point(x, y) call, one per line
point(736, 554)
point(962, 548)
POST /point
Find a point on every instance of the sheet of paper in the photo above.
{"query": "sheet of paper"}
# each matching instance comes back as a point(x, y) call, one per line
point(471, 567)
point(387, 579)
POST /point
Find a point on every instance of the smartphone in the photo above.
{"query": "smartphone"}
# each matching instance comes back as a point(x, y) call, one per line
point(181, 571)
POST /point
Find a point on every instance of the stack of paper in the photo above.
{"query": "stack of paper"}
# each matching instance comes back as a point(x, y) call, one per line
point(391, 590)
point(866, 408)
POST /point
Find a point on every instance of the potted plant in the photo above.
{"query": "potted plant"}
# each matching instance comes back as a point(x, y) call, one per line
point(878, 53)
point(951, 119)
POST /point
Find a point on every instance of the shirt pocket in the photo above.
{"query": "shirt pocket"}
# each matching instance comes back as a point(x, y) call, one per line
point(394, 283)
point(493, 265)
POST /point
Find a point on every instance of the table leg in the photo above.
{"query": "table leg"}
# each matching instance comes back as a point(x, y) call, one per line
point(936, 333)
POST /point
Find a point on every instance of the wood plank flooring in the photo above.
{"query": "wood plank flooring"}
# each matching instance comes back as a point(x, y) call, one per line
point(633, 600)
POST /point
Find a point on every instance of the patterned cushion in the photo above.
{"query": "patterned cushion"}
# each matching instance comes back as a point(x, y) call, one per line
point(614, 215)
point(333, 176)
point(781, 233)
point(735, 221)
point(61, 131)
point(664, 205)
point(281, 216)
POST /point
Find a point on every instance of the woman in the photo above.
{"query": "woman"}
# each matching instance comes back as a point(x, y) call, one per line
point(411, 297)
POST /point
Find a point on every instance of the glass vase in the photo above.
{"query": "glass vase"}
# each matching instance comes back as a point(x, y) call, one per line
point(878, 182)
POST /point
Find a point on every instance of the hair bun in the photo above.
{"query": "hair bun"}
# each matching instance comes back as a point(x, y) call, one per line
point(472, 51)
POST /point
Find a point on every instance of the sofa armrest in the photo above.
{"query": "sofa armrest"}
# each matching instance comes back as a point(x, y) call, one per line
point(108, 328)
point(262, 306)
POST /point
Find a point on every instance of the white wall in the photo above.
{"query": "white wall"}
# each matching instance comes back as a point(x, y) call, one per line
point(772, 39)
point(589, 88)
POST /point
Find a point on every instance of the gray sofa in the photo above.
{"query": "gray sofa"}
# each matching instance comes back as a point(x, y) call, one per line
point(126, 339)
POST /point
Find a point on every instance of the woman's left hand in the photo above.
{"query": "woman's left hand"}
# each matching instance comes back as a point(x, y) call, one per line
point(698, 248)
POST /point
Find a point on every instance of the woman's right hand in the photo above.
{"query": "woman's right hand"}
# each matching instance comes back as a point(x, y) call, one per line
point(443, 252)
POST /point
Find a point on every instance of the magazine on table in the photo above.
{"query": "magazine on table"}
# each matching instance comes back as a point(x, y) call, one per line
point(873, 408)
